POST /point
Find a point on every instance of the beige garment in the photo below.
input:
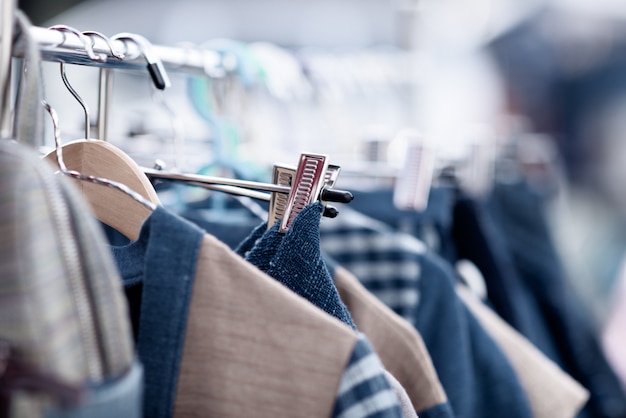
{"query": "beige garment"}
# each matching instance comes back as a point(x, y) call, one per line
point(253, 348)
point(398, 344)
point(62, 306)
point(552, 392)
point(408, 411)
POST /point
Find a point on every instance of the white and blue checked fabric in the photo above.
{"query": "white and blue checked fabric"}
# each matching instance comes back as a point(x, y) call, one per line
point(382, 259)
point(364, 390)
point(419, 286)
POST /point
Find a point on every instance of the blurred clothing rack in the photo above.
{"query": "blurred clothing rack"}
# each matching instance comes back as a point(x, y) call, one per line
point(57, 46)
point(66, 47)
point(7, 12)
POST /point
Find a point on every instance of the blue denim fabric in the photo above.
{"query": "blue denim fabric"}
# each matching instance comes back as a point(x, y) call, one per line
point(497, 390)
point(476, 375)
point(120, 398)
point(231, 231)
point(295, 260)
point(464, 229)
point(231, 224)
point(518, 212)
point(478, 239)
point(158, 271)
point(456, 227)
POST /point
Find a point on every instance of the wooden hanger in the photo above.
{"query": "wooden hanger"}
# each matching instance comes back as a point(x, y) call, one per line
point(111, 206)
point(129, 198)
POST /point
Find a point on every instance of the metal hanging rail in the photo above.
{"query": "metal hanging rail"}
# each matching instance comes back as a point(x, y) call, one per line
point(65, 47)
point(7, 12)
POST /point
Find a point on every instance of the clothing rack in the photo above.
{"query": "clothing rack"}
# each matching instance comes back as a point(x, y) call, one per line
point(65, 47)
point(7, 13)
point(129, 52)
point(57, 46)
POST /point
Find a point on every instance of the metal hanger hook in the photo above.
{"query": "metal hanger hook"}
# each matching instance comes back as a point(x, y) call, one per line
point(57, 135)
point(78, 98)
point(92, 179)
point(92, 33)
point(86, 41)
point(155, 67)
point(178, 127)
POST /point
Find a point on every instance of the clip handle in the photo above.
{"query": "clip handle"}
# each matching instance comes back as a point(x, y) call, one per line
point(330, 212)
point(339, 196)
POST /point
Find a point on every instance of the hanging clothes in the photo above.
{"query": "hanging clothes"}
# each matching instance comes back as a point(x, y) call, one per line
point(398, 344)
point(508, 240)
point(253, 357)
point(62, 309)
point(552, 393)
point(477, 239)
point(231, 230)
point(517, 211)
point(159, 280)
point(457, 227)
point(295, 260)
point(431, 226)
point(614, 332)
point(396, 268)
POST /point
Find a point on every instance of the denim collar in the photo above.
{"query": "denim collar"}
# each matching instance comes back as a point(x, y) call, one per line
point(163, 260)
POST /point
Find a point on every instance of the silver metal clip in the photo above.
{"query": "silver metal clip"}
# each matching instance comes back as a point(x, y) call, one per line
point(306, 186)
point(332, 174)
point(413, 184)
point(282, 175)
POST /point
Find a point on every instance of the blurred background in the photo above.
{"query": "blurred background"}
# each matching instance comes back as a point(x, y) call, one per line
point(542, 82)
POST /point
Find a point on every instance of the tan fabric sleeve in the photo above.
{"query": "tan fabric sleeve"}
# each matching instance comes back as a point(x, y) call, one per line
point(255, 349)
point(398, 344)
point(552, 392)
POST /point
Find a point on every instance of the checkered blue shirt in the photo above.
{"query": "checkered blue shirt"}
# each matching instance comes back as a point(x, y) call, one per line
point(399, 270)
point(384, 260)
point(364, 391)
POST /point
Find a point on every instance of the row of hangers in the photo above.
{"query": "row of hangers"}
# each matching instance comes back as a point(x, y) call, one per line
point(129, 196)
point(412, 181)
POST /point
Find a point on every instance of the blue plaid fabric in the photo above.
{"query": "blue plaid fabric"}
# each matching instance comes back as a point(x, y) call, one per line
point(384, 261)
point(419, 286)
point(364, 391)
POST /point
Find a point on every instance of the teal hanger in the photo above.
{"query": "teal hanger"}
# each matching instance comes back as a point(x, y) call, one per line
point(224, 134)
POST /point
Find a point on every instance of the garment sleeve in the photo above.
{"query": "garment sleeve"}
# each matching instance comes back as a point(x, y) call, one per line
point(364, 390)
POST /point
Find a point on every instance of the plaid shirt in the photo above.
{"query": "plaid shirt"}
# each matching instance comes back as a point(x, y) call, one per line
point(384, 261)
point(364, 390)
point(419, 286)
